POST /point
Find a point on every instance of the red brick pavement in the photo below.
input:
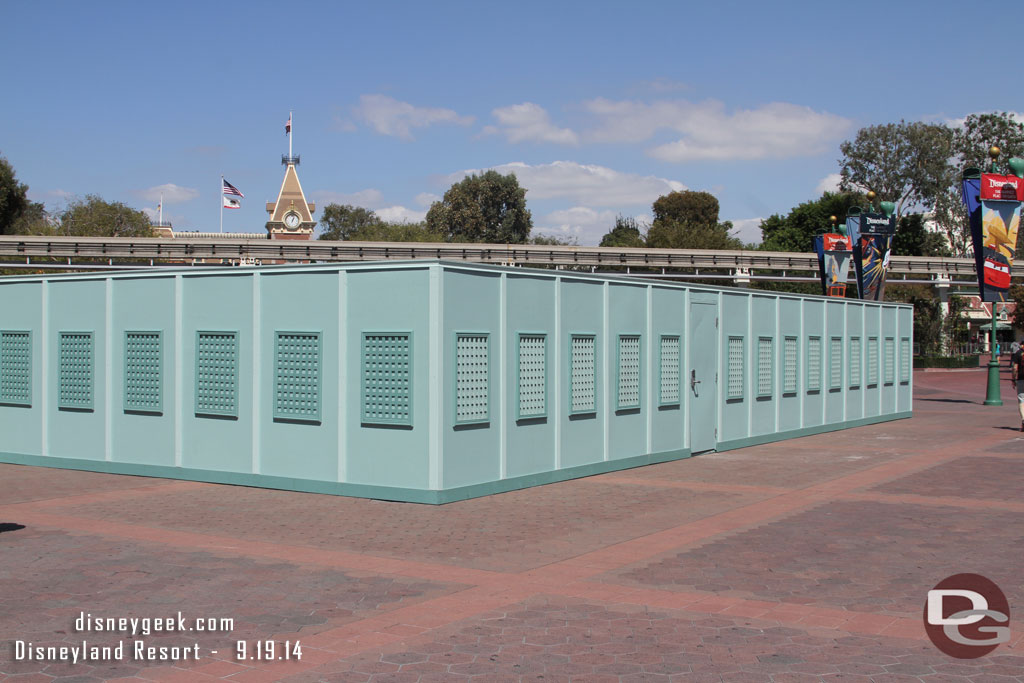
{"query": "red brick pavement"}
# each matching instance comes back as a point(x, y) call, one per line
point(802, 560)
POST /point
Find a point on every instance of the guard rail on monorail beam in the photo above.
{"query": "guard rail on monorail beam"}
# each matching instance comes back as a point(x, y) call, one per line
point(192, 249)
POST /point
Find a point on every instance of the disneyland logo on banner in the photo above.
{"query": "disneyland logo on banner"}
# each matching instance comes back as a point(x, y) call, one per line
point(967, 616)
point(877, 224)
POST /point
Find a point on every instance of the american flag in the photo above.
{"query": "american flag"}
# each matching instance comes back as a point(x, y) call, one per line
point(231, 189)
point(288, 126)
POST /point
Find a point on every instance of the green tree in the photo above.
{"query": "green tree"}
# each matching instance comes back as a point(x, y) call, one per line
point(905, 163)
point(16, 210)
point(951, 218)
point(381, 231)
point(675, 235)
point(687, 206)
point(34, 220)
point(626, 233)
point(689, 220)
point(340, 221)
point(490, 207)
point(96, 217)
point(979, 132)
point(796, 230)
point(912, 239)
point(552, 241)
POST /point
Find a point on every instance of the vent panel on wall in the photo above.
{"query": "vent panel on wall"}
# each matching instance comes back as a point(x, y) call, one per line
point(670, 353)
point(387, 378)
point(789, 352)
point(872, 361)
point(472, 392)
point(143, 372)
point(855, 362)
point(16, 368)
point(297, 361)
point(217, 373)
point(75, 376)
point(814, 364)
point(629, 371)
point(904, 360)
point(890, 360)
point(835, 363)
point(583, 374)
point(734, 377)
point(533, 388)
point(764, 366)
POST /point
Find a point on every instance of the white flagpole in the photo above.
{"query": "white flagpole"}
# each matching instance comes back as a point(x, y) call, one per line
point(291, 127)
point(161, 208)
point(222, 203)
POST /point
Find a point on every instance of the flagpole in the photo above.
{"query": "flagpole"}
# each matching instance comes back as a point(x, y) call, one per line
point(290, 128)
point(222, 203)
point(161, 208)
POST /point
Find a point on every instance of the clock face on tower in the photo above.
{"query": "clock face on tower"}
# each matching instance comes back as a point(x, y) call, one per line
point(291, 220)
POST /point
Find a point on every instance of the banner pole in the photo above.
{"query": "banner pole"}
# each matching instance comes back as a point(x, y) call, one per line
point(992, 397)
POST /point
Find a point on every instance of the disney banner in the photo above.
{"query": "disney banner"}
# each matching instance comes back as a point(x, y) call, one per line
point(993, 204)
point(871, 258)
point(871, 250)
point(833, 262)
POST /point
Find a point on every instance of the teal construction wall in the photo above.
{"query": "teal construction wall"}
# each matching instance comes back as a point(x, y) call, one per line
point(424, 381)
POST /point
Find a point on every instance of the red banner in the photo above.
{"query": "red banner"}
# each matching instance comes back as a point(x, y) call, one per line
point(834, 242)
point(1006, 188)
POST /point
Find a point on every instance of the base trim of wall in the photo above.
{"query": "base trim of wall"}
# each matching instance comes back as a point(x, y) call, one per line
point(733, 444)
point(407, 495)
point(376, 492)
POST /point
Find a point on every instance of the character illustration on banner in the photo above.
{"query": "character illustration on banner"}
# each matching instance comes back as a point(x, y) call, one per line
point(993, 201)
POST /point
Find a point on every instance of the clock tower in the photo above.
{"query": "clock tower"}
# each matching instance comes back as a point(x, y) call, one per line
point(291, 216)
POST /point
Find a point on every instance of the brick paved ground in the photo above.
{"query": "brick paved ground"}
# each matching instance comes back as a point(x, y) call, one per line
point(799, 561)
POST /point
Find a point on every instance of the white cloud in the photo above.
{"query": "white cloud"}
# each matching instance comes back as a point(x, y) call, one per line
point(400, 214)
point(427, 198)
point(829, 183)
point(584, 184)
point(389, 116)
point(368, 198)
point(775, 130)
point(171, 193)
point(747, 229)
point(583, 223)
point(529, 122)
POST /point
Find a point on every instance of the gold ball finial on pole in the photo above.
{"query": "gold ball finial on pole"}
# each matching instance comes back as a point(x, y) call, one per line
point(833, 220)
point(994, 152)
point(871, 195)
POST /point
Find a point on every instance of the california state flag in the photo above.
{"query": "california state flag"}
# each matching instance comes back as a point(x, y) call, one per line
point(232, 203)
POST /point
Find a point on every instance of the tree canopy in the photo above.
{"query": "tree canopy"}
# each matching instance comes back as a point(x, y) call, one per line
point(904, 163)
point(687, 206)
point(682, 220)
point(490, 207)
point(979, 132)
point(17, 212)
point(676, 235)
point(626, 233)
point(94, 216)
point(796, 230)
point(341, 221)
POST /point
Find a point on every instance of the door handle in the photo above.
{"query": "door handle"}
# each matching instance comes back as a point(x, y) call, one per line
point(694, 381)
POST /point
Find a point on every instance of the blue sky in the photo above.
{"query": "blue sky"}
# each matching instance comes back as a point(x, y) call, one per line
point(598, 107)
